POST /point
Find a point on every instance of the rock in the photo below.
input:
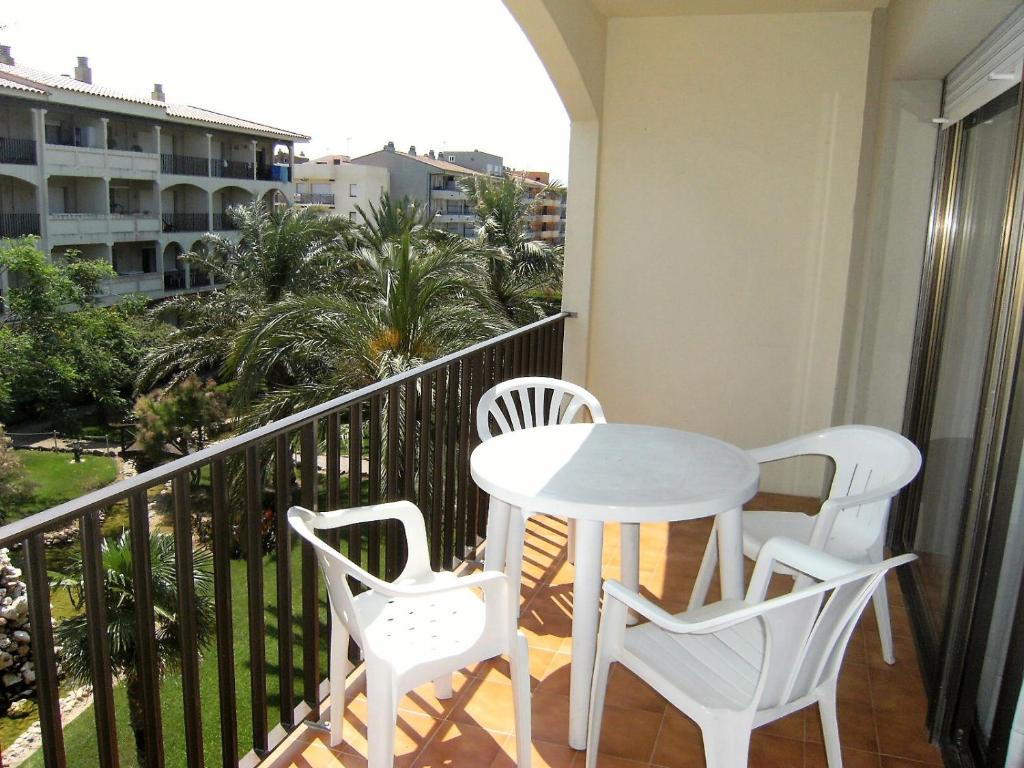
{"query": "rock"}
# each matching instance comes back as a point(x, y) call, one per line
point(10, 679)
point(21, 636)
point(20, 708)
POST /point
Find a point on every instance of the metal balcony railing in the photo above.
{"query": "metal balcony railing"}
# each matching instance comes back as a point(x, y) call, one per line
point(185, 165)
point(407, 437)
point(175, 280)
point(185, 222)
point(198, 279)
point(223, 222)
point(314, 198)
point(19, 224)
point(17, 151)
point(232, 169)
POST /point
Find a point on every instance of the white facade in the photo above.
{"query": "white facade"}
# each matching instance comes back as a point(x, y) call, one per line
point(340, 185)
point(133, 181)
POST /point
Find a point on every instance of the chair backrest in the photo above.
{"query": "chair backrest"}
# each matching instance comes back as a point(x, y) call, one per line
point(336, 567)
point(810, 628)
point(533, 402)
point(866, 459)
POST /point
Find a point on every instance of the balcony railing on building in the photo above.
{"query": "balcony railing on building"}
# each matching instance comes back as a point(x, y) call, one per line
point(175, 280)
point(185, 165)
point(231, 169)
point(409, 436)
point(314, 198)
point(19, 224)
point(222, 222)
point(17, 151)
point(185, 222)
point(273, 173)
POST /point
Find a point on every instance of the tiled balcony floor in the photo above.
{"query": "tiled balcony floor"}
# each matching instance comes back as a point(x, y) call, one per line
point(881, 711)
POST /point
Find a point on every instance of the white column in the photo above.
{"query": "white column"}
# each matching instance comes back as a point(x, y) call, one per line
point(156, 138)
point(209, 211)
point(209, 154)
point(104, 132)
point(291, 164)
point(253, 143)
point(42, 193)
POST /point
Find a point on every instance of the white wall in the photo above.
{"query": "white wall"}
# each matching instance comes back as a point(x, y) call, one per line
point(733, 142)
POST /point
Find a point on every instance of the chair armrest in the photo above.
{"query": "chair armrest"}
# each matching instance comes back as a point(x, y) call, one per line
point(797, 556)
point(373, 513)
point(485, 580)
point(679, 625)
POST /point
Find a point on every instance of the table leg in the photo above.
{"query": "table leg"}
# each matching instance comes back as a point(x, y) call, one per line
point(730, 553)
point(629, 533)
point(586, 606)
point(497, 535)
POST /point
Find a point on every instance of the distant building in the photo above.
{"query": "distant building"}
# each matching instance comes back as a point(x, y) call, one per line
point(339, 184)
point(548, 221)
point(133, 181)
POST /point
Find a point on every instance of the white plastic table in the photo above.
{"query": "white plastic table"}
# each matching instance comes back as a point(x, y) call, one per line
point(598, 473)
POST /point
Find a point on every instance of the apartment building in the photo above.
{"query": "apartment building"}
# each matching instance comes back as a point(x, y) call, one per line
point(335, 182)
point(134, 181)
point(548, 220)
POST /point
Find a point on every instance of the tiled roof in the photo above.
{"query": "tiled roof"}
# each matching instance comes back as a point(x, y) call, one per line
point(5, 83)
point(443, 165)
point(37, 81)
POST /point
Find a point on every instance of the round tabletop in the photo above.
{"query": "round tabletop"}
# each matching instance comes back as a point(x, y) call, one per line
point(615, 472)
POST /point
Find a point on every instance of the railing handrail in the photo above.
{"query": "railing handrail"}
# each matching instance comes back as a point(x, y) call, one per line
point(104, 497)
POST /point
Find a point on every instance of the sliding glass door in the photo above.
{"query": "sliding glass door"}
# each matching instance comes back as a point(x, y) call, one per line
point(966, 504)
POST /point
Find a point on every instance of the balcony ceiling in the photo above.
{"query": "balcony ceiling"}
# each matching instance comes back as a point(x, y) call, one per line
point(693, 7)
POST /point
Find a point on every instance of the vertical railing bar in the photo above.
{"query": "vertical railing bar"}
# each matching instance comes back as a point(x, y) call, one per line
point(409, 451)
point(449, 466)
point(478, 381)
point(355, 478)
point(310, 577)
point(149, 677)
point(423, 475)
point(99, 649)
point(257, 624)
point(333, 497)
point(517, 357)
point(47, 690)
point(437, 484)
point(462, 539)
point(224, 616)
point(373, 529)
point(285, 637)
point(393, 472)
point(559, 339)
point(188, 639)
point(508, 351)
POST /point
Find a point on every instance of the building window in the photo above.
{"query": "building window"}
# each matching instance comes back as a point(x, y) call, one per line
point(352, 215)
point(353, 190)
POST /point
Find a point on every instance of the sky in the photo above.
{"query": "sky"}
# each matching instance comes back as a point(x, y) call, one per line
point(437, 74)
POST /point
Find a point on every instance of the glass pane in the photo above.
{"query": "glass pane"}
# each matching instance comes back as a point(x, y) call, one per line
point(972, 275)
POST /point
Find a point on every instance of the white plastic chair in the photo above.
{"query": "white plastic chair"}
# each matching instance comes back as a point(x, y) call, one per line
point(739, 664)
point(423, 626)
point(537, 402)
point(872, 465)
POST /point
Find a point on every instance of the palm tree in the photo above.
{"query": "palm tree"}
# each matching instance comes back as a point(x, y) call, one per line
point(119, 598)
point(390, 220)
point(404, 304)
point(277, 253)
point(520, 269)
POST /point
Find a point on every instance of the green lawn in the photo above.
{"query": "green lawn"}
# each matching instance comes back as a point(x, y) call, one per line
point(54, 478)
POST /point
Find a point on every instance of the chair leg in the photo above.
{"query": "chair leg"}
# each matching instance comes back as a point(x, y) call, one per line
point(706, 572)
point(514, 558)
point(830, 726)
point(519, 664)
point(443, 687)
point(629, 534)
point(613, 622)
point(381, 718)
point(881, 601)
point(726, 742)
point(338, 673)
point(570, 544)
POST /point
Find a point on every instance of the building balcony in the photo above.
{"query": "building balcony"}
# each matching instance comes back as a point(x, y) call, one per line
point(17, 151)
point(315, 198)
point(222, 222)
point(66, 228)
point(175, 280)
point(185, 222)
point(19, 224)
point(448, 193)
point(184, 165)
point(455, 218)
point(93, 161)
point(232, 169)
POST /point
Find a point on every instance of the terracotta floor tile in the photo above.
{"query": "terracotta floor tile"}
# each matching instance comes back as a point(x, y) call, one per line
point(608, 761)
point(814, 757)
point(679, 743)
point(458, 744)
point(790, 727)
point(488, 705)
point(413, 731)
point(544, 755)
point(854, 684)
point(629, 733)
point(903, 647)
point(317, 754)
point(899, 738)
point(423, 701)
point(551, 718)
point(888, 761)
point(775, 752)
point(856, 726)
